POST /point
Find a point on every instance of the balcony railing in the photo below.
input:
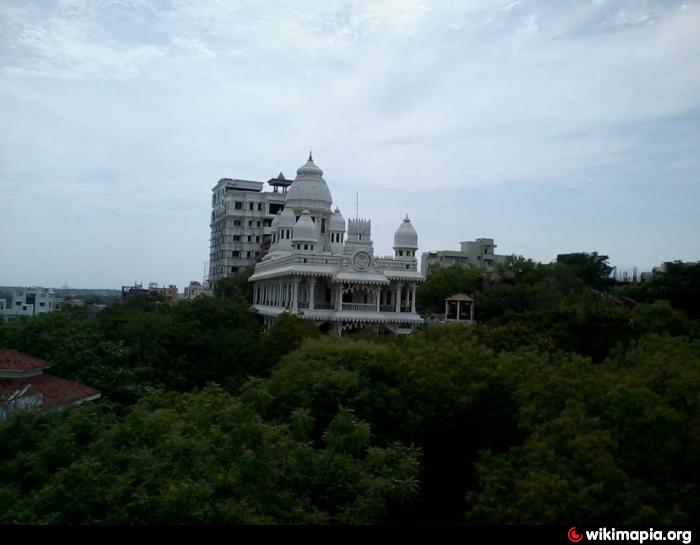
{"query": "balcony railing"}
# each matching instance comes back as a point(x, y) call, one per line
point(387, 308)
point(303, 305)
point(406, 309)
point(360, 306)
point(323, 306)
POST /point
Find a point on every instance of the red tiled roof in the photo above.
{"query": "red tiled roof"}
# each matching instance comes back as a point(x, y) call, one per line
point(56, 392)
point(17, 361)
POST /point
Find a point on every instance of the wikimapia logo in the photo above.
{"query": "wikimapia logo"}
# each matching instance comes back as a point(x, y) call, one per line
point(573, 535)
point(638, 536)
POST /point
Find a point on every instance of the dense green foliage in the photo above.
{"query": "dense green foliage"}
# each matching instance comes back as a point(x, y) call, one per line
point(592, 269)
point(149, 343)
point(235, 286)
point(443, 282)
point(565, 403)
point(196, 458)
point(680, 285)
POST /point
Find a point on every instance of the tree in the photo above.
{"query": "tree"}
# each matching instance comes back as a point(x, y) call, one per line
point(593, 269)
point(679, 284)
point(443, 282)
point(235, 286)
point(518, 265)
point(202, 458)
point(614, 442)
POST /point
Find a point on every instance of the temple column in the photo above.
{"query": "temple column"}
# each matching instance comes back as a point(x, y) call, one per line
point(413, 298)
point(446, 309)
point(399, 288)
point(295, 293)
point(312, 292)
point(339, 298)
point(379, 298)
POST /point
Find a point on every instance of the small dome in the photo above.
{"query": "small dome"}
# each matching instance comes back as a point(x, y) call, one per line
point(309, 189)
point(309, 169)
point(406, 236)
point(305, 229)
point(275, 222)
point(287, 219)
point(337, 222)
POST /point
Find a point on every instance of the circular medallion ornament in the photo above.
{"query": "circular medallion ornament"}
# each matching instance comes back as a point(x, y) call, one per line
point(361, 261)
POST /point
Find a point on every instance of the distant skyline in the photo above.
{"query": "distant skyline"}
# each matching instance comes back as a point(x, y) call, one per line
point(549, 126)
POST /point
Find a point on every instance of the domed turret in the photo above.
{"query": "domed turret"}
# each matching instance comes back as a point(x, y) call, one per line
point(285, 223)
point(336, 228)
point(405, 240)
point(309, 189)
point(305, 232)
point(274, 228)
point(337, 222)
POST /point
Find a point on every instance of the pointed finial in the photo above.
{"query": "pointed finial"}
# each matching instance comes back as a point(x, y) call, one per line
point(406, 218)
point(310, 155)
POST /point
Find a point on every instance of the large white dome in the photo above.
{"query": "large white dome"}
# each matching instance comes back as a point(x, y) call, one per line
point(305, 229)
point(309, 189)
point(406, 236)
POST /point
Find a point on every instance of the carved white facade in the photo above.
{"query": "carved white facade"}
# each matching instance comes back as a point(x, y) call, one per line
point(317, 269)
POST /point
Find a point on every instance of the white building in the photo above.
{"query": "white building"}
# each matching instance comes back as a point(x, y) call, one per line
point(195, 289)
point(319, 270)
point(240, 223)
point(29, 302)
point(477, 253)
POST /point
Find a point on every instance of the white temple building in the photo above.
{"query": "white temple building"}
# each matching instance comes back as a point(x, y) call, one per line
point(322, 270)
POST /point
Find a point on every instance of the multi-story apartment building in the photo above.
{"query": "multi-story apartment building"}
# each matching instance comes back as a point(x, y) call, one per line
point(241, 217)
point(477, 253)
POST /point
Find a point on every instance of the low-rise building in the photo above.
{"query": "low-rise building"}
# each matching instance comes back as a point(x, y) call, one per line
point(24, 386)
point(196, 289)
point(131, 292)
point(479, 253)
point(169, 293)
point(28, 302)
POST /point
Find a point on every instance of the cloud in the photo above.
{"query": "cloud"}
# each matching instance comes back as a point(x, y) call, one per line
point(132, 107)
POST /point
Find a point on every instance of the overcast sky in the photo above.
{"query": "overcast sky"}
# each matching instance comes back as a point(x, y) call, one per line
point(550, 126)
